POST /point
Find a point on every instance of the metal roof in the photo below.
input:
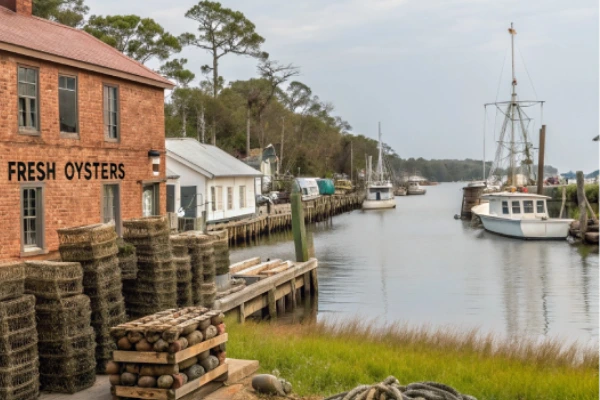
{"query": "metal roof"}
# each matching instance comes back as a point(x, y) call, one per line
point(206, 159)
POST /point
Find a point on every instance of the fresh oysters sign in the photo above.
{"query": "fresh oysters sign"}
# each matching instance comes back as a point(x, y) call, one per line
point(39, 171)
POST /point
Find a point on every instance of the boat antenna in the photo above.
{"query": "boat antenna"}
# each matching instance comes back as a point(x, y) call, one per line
point(380, 161)
point(484, 126)
point(513, 105)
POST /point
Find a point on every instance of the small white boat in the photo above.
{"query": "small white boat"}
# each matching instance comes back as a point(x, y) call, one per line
point(414, 188)
point(400, 191)
point(520, 215)
point(309, 188)
point(380, 191)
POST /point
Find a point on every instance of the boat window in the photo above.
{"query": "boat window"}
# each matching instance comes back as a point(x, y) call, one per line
point(516, 207)
point(540, 206)
point(505, 207)
point(385, 190)
point(528, 206)
point(305, 191)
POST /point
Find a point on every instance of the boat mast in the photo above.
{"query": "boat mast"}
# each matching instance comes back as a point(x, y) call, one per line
point(513, 106)
point(380, 161)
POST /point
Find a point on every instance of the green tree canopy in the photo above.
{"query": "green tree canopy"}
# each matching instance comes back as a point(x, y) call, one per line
point(175, 69)
point(66, 12)
point(138, 38)
point(222, 31)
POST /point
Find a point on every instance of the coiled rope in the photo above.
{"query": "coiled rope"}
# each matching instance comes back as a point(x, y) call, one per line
point(390, 389)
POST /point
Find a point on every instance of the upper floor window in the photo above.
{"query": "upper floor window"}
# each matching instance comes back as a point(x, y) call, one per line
point(230, 198)
point(28, 99)
point(111, 113)
point(67, 103)
point(242, 196)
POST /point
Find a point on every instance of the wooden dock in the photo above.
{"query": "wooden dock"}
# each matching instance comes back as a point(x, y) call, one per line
point(279, 217)
point(238, 370)
point(273, 294)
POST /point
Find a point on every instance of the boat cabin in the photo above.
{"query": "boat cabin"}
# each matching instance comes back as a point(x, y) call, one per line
point(380, 191)
point(309, 188)
point(517, 206)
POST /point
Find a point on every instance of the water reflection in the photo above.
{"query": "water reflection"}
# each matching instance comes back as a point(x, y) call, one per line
point(417, 264)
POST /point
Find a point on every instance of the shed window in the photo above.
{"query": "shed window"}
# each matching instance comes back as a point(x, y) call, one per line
point(213, 198)
point(32, 212)
point(111, 113)
point(242, 196)
point(540, 207)
point(219, 198)
point(528, 206)
point(229, 198)
point(67, 103)
point(28, 98)
point(516, 207)
point(505, 207)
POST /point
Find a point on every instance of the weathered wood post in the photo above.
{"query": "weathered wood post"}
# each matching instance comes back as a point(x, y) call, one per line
point(564, 202)
point(298, 227)
point(583, 219)
point(540, 188)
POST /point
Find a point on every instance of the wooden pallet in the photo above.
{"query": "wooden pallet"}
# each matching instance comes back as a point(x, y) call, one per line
point(170, 394)
point(152, 357)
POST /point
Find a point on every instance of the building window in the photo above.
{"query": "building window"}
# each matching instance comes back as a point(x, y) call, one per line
point(229, 198)
point(505, 207)
point(67, 103)
point(242, 196)
point(213, 199)
point(111, 205)
point(150, 196)
point(219, 198)
point(528, 206)
point(111, 113)
point(540, 207)
point(516, 207)
point(32, 233)
point(170, 198)
point(28, 99)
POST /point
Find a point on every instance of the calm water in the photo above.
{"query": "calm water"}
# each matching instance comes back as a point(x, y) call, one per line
point(417, 264)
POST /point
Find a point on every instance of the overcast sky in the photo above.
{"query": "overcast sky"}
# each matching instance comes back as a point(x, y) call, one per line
point(425, 68)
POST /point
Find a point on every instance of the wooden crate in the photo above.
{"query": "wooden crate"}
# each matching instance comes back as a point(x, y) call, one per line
point(152, 357)
point(136, 392)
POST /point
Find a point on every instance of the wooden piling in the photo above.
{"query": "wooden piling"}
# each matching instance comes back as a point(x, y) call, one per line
point(299, 228)
point(583, 219)
point(272, 304)
point(540, 187)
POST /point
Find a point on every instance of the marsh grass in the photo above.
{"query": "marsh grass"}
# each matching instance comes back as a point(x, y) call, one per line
point(331, 357)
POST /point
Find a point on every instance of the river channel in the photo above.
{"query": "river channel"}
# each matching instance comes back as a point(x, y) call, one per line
point(416, 264)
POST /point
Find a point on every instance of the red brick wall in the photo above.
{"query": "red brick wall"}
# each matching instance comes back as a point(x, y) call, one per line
point(76, 202)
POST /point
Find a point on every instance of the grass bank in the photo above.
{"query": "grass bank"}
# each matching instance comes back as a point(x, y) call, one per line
point(324, 359)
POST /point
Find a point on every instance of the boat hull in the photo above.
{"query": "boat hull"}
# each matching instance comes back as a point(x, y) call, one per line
point(552, 228)
point(415, 192)
point(379, 204)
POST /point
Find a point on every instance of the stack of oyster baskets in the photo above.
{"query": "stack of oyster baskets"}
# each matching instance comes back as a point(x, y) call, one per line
point(155, 289)
point(66, 339)
point(183, 265)
point(95, 247)
point(19, 377)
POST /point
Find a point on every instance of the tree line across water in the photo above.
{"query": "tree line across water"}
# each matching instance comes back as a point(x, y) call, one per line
point(271, 108)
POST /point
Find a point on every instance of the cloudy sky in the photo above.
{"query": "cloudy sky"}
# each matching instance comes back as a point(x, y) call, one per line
point(425, 68)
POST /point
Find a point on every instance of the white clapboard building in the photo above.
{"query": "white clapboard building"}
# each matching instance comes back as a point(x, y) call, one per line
point(210, 183)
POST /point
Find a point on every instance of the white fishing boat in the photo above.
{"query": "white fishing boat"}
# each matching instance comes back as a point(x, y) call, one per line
point(508, 213)
point(380, 191)
point(414, 188)
point(520, 215)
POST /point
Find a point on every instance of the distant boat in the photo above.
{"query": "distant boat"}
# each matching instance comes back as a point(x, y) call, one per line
point(309, 188)
point(380, 193)
point(400, 191)
point(414, 188)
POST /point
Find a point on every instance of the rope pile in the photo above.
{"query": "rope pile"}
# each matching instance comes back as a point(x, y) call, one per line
point(390, 389)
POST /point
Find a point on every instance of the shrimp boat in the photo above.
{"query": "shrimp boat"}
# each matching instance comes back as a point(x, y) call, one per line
point(508, 213)
point(380, 191)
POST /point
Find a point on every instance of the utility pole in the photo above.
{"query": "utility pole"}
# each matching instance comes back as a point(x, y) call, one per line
point(281, 147)
point(351, 162)
point(540, 188)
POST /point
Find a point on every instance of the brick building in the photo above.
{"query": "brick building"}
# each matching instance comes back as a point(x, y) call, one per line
point(81, 133)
